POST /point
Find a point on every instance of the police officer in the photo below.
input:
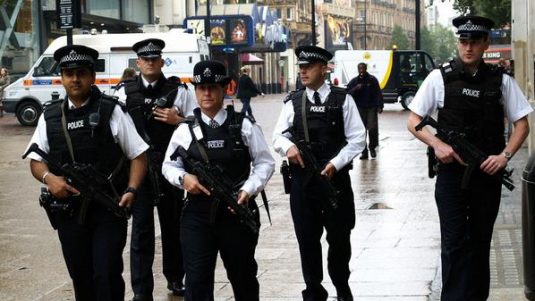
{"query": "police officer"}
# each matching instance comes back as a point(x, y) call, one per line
point(225, 138)
point(155, 122)
point(473, 97)
point(330, 119)
point(89, 127)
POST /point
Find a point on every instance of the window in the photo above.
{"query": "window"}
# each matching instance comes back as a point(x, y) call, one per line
point(45, 67)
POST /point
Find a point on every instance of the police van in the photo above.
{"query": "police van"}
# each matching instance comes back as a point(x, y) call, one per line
point(26, 96)
point(399, 72)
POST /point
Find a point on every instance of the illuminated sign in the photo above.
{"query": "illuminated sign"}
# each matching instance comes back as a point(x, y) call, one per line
point(225, 31)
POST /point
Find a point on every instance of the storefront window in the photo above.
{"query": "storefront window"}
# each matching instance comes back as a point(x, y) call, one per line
point(136, 11)
point(104, 8)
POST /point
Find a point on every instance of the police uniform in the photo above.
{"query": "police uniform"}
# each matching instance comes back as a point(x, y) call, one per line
point(92, 250)
point(475, 104)
point(140, 98)
point(337, 135)
point(207, 227)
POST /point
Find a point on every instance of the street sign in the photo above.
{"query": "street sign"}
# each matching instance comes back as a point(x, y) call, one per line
point(69, 14)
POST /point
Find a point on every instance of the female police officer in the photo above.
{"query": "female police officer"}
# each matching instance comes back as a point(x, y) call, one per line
point(207, 225)
point(88, 127)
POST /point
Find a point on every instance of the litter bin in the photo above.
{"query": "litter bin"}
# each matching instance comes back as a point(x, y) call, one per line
point(528, 227)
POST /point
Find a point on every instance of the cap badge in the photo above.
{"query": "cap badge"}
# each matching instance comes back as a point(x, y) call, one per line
point(207, 72)
point(72, 52)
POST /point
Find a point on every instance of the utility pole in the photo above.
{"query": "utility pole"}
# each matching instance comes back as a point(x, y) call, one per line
point(417, 45)
point(207, 20)
point(365, 21)
point(313, 23)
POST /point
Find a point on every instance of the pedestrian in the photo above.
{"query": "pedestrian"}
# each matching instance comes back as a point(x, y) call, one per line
point(326, 119)
point(4, 82)
point(235, 144)
point(367, 94)
point(128, 73)
point(471, 97)
point(93, 249)
point(246, 90)
point(155, 121)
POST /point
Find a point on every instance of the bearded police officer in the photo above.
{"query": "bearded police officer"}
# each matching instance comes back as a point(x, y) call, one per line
point(88, 127)
point(227, 139)
point(327, 121)
point(471, 97)
point(155, 121)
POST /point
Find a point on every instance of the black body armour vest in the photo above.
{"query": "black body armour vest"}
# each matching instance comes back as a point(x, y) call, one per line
point(140, 101)
point(472, 105)
point(224, 147)
point(93, 145)
point(325, 123)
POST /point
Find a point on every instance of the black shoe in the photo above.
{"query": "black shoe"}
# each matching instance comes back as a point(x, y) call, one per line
point(138, 297)
point(373, 153)
point(364, 157)
point(177, 288)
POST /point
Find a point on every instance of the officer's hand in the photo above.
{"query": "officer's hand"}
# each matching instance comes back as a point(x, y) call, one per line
point(243, 200)
point(167, 115)
point(126, 200)
point(445, 153)
point(329, 170)
point(493, 164)
point(294, 156)
point(59, 188)
point(193, 186)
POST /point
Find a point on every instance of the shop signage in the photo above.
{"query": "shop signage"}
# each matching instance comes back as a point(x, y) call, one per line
point(69, 14)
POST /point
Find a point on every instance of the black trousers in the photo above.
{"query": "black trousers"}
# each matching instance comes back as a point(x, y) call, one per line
point(369, 118)
point(203, 236)
point(142, 244)
point(309, 222)
point(93, 253)
point(466, 224)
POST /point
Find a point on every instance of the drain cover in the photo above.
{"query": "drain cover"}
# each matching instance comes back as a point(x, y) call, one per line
point(379, 206)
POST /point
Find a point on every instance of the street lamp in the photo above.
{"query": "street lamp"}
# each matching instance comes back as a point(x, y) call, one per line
point(313, 23)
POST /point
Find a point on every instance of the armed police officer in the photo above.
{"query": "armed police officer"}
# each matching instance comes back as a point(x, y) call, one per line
point(226, 146)
point(325, 122)
point(473, 98)
point(88, 128)
point(157, 104)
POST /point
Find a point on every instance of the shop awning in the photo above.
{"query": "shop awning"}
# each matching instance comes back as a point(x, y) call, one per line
point(250, 59)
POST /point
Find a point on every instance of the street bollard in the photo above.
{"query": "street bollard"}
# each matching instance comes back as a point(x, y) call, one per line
point(528, 227)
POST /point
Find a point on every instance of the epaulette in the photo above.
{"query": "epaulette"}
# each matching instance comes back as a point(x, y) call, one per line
point(119, 85)
point(51, 102)
point(338, 90)
point(450, 70)
point(293, 94)
point(187, 120)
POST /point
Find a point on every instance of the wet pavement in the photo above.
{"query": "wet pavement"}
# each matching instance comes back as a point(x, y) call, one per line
point(396, 241)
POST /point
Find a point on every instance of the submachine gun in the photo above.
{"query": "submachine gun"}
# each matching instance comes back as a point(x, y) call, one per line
point(470, 154)
point(92, 184)
point(313, 168)
point(221, 187)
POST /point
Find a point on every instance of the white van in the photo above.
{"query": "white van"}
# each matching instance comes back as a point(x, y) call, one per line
point(399, 72)
point(26, 96)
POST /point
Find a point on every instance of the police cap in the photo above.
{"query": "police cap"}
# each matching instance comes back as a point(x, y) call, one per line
point(472, 27)
point(210, 72)
point(312, 54)
point(73, 56)
point(149, 48)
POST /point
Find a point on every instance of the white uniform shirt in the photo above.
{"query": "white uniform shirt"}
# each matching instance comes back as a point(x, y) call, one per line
point(354, 130)
point(122, 129)
point(262, 162)
point(185, 100)
point(430, 97)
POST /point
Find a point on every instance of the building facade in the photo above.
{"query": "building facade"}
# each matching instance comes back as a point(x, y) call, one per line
point(375, 21)
point(32, 26)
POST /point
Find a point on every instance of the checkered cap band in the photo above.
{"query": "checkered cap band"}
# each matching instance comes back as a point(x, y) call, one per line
point(201, 78)
point(470, 27)
point(305, 55)
point(74, 57)
point(150, 47)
